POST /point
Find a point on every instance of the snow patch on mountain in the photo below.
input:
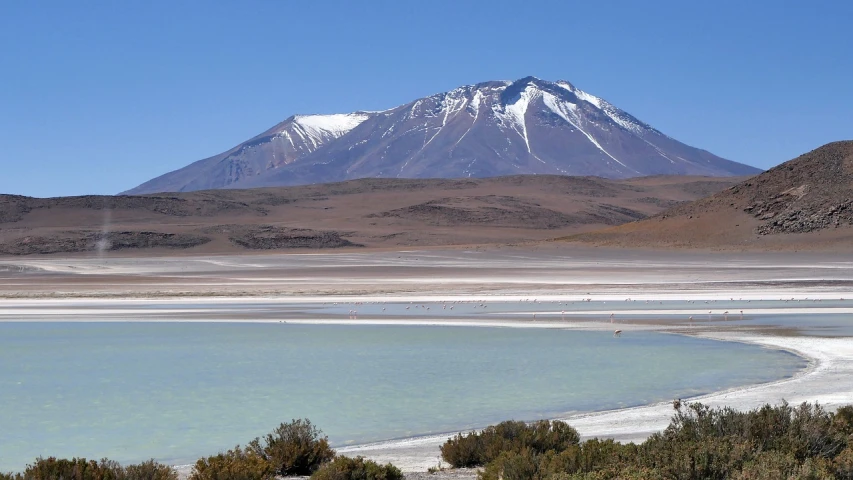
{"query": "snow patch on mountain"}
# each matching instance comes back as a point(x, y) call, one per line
point(568, 112)
point(623, 122)
point(514, 113)
point(618, 116)
point(474, 104)
point(335, 125)
point(473, 109)
point(586, 97)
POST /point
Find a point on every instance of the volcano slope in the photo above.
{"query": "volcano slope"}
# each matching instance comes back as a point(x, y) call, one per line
point(803, 204)
point(379, 213)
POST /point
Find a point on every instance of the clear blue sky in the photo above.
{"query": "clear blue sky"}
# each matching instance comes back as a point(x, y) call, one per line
point(99, 96)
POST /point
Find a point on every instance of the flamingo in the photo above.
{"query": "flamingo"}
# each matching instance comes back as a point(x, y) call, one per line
point(617, 333)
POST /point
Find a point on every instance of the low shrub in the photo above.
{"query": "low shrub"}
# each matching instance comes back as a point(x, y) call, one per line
point(842, 422)
point(53, 468)
point(807, 430)
point(295, 448)
point(843, 464)
point(479, 448)
point(149, 470)
point(236, 464)
point(346, 468)
point(592, 460)
point(701, 443)
point(514, 465)
point(625, 473)
point(464, 450)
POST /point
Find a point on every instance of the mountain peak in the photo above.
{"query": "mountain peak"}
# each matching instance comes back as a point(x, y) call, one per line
point(526, 126)
point(565, 84)
point(528, 79)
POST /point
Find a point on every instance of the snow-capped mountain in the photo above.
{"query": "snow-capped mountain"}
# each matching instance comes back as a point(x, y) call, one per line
point(529, 126)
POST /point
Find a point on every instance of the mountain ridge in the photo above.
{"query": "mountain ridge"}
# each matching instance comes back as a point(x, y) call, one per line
point(495, 128)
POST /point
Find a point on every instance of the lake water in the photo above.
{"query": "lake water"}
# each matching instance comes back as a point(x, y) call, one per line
point(177, 391)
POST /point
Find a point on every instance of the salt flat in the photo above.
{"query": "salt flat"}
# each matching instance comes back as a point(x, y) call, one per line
point(518, 272)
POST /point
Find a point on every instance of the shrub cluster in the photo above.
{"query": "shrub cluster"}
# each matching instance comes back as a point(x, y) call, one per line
point(480, 448)
point(345, 468)
point(236, 464)
point(701, 443)
point(82, 469)
point(295, 448)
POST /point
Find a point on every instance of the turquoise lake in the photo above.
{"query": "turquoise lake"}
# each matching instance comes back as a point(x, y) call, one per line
point(178, 391)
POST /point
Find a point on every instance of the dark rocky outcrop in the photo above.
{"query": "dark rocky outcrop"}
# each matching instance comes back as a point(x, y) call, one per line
point(268, 237)
point(81, 241)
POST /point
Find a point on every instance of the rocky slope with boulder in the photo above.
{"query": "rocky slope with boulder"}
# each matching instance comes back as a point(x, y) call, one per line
point(805, 203)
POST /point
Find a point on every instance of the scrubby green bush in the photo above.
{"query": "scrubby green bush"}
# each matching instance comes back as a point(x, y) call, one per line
point(524, 464)
point(480, 448)
point(149, 470)
point(53, 468)
point(842, 422)
point(701, 443)
point(570, 464)
point(843, 464)
point(235, 464)
point(346, 468)
point(626, 473)
point(295, 448)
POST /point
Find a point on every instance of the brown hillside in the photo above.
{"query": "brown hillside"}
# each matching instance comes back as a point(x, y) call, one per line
point(384, 213)
point(805, 203)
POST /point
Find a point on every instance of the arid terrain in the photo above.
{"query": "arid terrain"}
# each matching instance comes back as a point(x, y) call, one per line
point(368, 213)
point(803, 204)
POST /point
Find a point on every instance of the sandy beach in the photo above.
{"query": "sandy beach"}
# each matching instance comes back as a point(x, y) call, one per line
point(628, 282)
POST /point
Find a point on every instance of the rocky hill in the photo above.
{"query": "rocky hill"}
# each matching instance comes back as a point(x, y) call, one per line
point(529, 126)
point(805, 203)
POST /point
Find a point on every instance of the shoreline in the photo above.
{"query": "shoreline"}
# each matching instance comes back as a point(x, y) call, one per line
point(834, 358)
